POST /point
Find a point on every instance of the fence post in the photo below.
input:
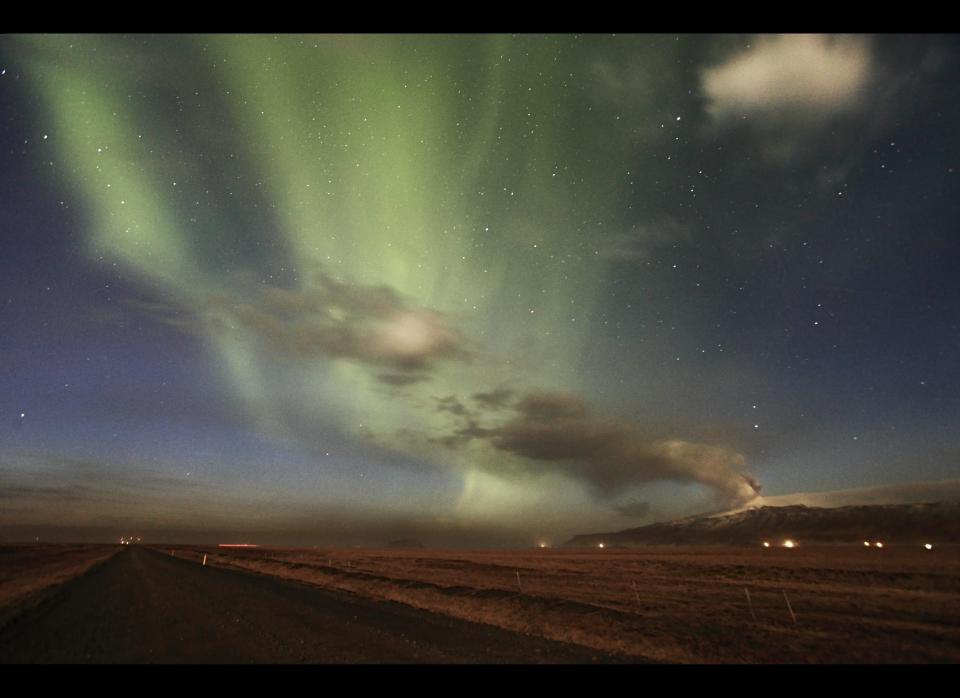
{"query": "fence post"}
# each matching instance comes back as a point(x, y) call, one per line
point(789, 607)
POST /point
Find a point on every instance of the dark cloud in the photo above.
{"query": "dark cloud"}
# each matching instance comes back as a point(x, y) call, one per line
point(549, 407)
point(558, 432)
point(401, 379)
point(634, 508)
point(51, 493)
point(494, 399)
point(52, 487)
point(463, 435)
point(452, 405)
point(63, 498)
point(372, 325)
point(336, 527)
point(164, 313)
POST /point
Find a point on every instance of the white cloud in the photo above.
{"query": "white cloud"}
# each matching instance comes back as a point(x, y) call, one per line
point(413, 336)
point(798, 75)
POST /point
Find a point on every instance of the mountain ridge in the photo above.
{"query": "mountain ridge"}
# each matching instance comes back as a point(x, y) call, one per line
point(893, 523)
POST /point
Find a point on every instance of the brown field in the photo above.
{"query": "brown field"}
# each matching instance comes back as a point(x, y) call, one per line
point(29, 571)
point(851, 604)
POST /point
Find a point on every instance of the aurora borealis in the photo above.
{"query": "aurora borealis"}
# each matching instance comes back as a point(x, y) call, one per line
point(470, 289)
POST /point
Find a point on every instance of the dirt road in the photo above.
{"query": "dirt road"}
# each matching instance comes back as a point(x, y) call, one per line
point(143, 606)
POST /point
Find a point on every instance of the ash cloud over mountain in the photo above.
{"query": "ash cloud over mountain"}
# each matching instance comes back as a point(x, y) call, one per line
point(556, 432)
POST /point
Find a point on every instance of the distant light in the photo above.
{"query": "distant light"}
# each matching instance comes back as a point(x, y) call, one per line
point(789, 544)
point(236, 545)
point(599, 545)
point(928, 546)
point(543, 545)
point(866, 543)
point(879, 544)
point(766, 544)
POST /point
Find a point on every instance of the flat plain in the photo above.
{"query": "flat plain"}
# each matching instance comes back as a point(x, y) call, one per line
point(143, 607)
point(29, 571)
point(827, 604)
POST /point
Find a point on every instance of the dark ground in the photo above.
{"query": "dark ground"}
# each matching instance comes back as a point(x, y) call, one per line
point(144, 607)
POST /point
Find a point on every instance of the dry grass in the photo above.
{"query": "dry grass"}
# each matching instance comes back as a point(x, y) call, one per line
point(851, 604)
point(26, 571)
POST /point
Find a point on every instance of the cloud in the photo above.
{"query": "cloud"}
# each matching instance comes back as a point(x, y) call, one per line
point(400, 380)
point(798, 75)
point(42, 487)
point(62, 498)
point(549, 406)
point(372, 325)
point(495, 399)
point(452, 405)
point(903, 493)
point(558, 432)
point(634, 508)
point(463, 435)
point(640, 243)
point(410, 338)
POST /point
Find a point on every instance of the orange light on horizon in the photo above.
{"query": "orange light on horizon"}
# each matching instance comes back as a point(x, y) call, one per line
point(237, 545)
point(600, 545)
point(879, 544)
point(866, 543)
point(928, 546)
point(789, 544)
point(766, 544)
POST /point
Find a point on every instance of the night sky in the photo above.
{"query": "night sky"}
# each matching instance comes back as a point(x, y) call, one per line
point(471, 290)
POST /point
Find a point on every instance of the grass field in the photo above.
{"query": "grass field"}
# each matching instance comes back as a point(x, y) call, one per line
point(27, 571)
point(850, 604)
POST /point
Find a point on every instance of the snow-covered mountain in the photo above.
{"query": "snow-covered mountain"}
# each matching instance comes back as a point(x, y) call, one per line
point(934, 522)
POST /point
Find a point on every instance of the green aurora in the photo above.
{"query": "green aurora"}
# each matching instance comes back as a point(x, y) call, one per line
point(477, 183)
